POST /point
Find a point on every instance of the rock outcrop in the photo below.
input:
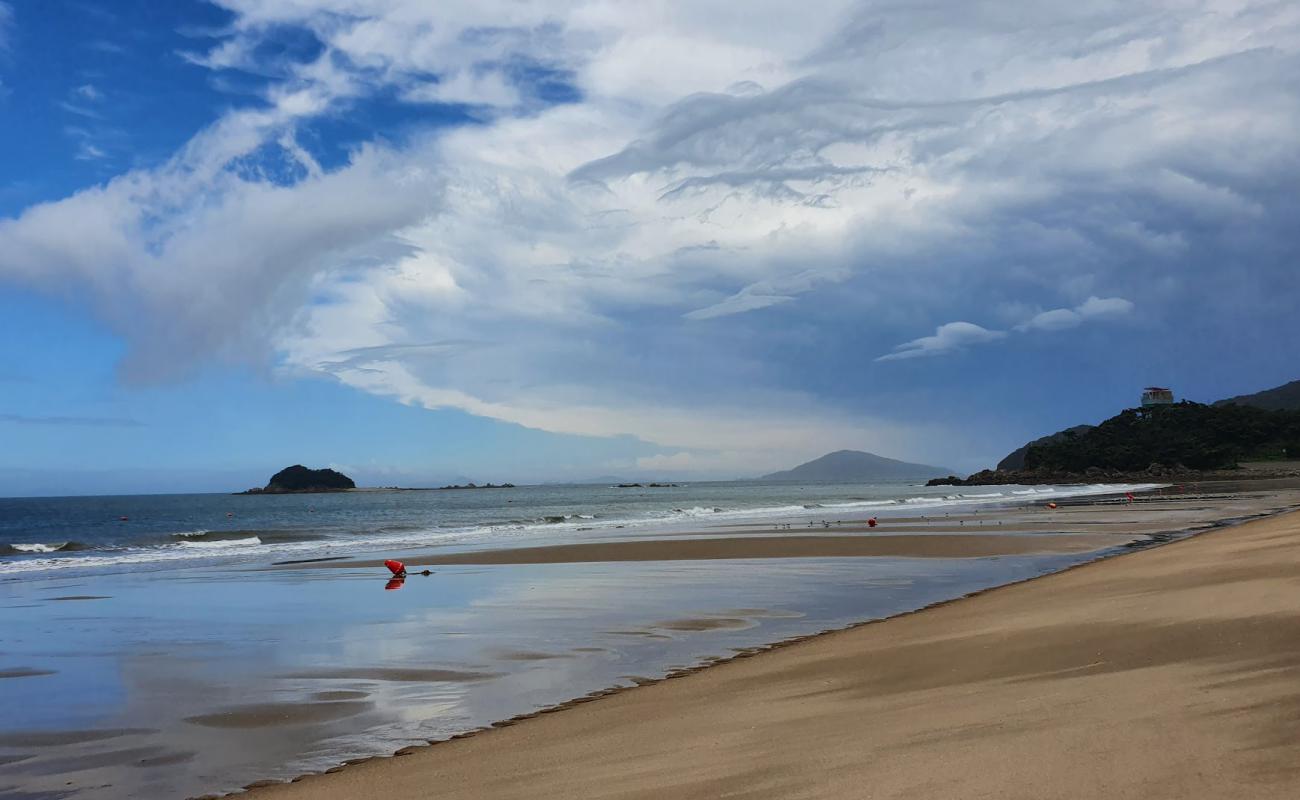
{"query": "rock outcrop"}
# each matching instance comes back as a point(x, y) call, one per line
point(1015, 460)
point(301, 480)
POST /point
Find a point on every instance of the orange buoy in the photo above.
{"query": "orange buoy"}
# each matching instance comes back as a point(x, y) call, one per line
point(396, 567)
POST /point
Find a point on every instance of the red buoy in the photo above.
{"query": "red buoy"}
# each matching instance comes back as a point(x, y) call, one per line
point(396, 567)
point(871, 523)
point(1051, 505)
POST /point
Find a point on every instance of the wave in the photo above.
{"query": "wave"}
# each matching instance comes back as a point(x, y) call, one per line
point(189, 537)
point(211, 543)
point(19, 548)
point(556, 519)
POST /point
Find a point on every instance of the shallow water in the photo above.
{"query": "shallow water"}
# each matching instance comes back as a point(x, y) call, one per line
point(171, 678)
point(146, 687)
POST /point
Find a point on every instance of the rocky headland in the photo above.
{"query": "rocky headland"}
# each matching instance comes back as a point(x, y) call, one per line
point(1174, 443)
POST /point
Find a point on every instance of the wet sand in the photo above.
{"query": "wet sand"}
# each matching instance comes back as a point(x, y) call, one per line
point(818, 546)
point(1168, 673)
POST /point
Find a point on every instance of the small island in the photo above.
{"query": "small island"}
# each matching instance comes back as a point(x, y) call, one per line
point(478, 486)
point(301, 480)
point(647, 486)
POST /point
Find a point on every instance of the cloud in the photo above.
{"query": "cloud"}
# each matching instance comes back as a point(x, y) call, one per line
point(89, 152)
point(947, 338)
point(88, 141)
point(79, 110)
point(485, 88)
point(765, 293)
point(258, 244)
point(956, 336)
point(97, 422)
point(1090, 309)
point(87, 91)
point(796, 181)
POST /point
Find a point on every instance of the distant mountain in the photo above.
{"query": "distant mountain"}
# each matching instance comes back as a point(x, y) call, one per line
point(1281, 398)
point(1015, 460)
point(854, 465)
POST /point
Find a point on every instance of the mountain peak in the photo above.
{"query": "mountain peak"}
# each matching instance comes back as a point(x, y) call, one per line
point(855, 465)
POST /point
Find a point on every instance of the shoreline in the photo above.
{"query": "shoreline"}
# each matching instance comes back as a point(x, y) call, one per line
point(232, 536)
point(818, 545)
point(381, 764)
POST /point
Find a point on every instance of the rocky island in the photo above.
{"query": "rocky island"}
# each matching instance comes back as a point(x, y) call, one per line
point(472, 485)
point(301, 480)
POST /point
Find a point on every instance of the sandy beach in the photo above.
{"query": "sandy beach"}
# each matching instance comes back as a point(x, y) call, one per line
point(1167, 673)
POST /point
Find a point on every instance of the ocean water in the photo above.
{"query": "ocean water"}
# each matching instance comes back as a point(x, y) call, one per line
point(158, 657)
point(168, 531)
point(146, 685)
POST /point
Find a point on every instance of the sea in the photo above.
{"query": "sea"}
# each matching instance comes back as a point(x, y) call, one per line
point(151, 647)
point(158, 532)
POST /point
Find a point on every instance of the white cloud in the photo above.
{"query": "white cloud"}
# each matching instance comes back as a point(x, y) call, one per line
point(715, 159)
point(956, 336)
point(1104, 307)
point(88, 152)
point(488, 88)
point(87, 91)
point(1063, 318)
point(80, 110)
point(947, 338)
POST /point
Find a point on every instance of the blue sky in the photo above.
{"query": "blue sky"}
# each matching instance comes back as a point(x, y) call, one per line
point(549, 241)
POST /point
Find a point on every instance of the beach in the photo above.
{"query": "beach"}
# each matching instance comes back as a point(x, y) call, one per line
point(179, 680)
point(1170, 672)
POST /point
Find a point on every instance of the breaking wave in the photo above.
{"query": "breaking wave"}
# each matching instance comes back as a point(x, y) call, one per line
point(37, 547)
point(211, 543)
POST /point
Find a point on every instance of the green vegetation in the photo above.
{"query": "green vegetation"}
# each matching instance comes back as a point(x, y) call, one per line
point(1184, 434)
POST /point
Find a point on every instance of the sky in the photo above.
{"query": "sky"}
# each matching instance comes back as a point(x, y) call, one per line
point(496, 240)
